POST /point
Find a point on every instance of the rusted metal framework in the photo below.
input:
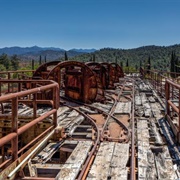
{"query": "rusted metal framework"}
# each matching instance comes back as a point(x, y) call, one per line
point(43, 70)
point(84, 82)
point(100, 72)
point(14, 137)
point(173, 107)
point(111, 75)
point(78, 79)
point(118, 71)
point(167, 86)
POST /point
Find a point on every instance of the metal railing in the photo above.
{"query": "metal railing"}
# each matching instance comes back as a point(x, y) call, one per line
point(30, 97)
point(172, 107)
point(167, 86)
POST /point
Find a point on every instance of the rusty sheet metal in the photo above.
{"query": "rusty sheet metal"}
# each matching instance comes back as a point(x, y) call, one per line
point(100, 73)
point(44, 69)
point(114, 72)
point(118, 71)
point(78, 80)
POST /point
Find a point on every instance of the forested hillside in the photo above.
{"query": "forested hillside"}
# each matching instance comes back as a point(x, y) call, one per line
point(160, 56)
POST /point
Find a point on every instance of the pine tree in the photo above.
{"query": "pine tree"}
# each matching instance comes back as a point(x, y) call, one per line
point(127, 66)
point(149, 65)
point(65, 56)
point(45, 59)
point(127, 63)
point(15, 62)
point(5, 61)
point(32, 64)
point(116, 60)
point(140, 64)
point(40, 60)
point(121, 64)
point(172, 68)
point(93, 58)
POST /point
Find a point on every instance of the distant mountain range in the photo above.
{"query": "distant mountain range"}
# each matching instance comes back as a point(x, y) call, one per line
point(34, 52)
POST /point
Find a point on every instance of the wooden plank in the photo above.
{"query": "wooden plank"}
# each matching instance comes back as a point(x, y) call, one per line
point(100, 167)
point(138, 100)
point(165, 168)
point(146, 166)
point(71, 168)
point(119, 162)
point(123, 108)
point(110, 162)
point(155, 110)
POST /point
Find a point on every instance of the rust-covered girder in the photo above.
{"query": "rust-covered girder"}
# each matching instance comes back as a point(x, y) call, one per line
point(78, 79)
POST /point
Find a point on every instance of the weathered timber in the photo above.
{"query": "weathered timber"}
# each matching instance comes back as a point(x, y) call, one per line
point(123, 108)
point(75, 161)
point(110, 161)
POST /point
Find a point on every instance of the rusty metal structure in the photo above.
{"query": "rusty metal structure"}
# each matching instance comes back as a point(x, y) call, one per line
point(74, 120)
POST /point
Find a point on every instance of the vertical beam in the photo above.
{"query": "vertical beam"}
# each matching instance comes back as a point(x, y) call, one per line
point(34, 105)
point(167, 93)
point(55, 104)
point(14, 141)
point(9, 76)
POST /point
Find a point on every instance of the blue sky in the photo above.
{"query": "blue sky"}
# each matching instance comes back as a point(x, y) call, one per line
point(89, 23)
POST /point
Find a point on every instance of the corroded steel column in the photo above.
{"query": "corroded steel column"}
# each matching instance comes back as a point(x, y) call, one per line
point(167, 93)
point(14, 141)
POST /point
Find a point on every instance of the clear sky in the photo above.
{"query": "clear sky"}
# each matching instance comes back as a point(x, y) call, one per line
point(89, 23)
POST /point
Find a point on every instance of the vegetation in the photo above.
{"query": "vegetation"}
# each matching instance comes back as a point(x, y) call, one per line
point(160, 56)
point(174, 68)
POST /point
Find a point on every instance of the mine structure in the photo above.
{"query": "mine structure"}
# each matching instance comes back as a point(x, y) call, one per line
point(72, 120)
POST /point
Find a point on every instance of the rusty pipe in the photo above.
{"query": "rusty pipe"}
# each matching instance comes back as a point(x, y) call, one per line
point(173, 106)
point(27, 92)
point(30, 124)
point(22, 129)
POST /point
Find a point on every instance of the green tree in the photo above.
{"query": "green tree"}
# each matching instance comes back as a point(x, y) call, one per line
point(172, 63)
point(127, 63)
point(40, 60)
point(15, 62)
point(2, 68)
point(65, 56)
point(5, 61)
point(94, 58)
point(140, 64)
point(149, 64)
point(121, 64)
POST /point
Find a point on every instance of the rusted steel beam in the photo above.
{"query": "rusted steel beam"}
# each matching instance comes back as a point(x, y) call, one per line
point(7, 138)
point(35, 139)
point(5, 163)
point(167, 93)
point(27, 92)
point(25, 160)
point(173, 106)
point(39, 119)
point(132, 170)
point(14, 141)
point(22, 129)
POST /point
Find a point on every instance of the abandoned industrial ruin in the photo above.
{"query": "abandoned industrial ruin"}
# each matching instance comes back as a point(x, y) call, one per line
point(74, 120)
